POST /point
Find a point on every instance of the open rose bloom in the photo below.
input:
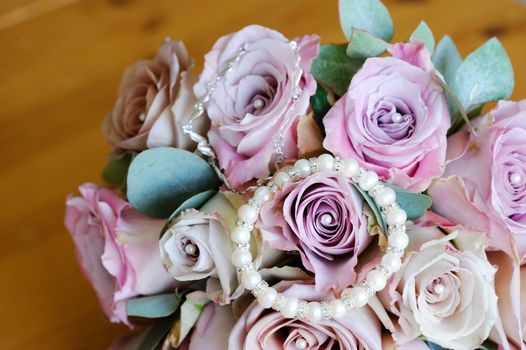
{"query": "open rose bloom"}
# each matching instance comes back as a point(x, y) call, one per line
point(295, 195)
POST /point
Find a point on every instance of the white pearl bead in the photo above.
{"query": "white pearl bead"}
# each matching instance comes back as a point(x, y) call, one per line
point(392, 261)
point(281, 179)
point(326, 162)
point(258, 104)
point(515, 178)
point(240, 235)
point(396, 217)
point(301, 344)
point(358, 296)
point(349, 167)
point(398, 240)
point(241, 257)
point(439, 288)
point(326, 219)
point(250, 279)
point(397, 117)
point(267, 298)
point(302, 168)
point(190, 249)
point(337, 308)
point(314, 311)
point(247, 213)
point(385, 197)
point(262, 194)
point(368, 180)
point(290, 307)
point(376, 280)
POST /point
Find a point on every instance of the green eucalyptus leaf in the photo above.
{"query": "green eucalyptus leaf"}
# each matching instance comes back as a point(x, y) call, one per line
point(116, 170)
point(161, 179)
point(156, 334)
point(380, 219)
point(486, 75)
point(447, 59)
point(368, 15)
point(320, 105)
point(364, 45)
point(334, 68)
point(154, 306)
point(414, 204)
point(194, 202)
point(424, 33)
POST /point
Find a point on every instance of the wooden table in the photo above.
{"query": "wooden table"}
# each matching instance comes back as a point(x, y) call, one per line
point(60, 64)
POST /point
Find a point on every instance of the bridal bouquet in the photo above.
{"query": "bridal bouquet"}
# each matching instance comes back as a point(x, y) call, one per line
point(364, 195)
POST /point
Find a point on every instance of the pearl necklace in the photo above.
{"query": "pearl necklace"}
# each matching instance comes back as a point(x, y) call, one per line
point(354, 297)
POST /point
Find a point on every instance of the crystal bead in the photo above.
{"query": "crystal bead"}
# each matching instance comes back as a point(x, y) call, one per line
point(302, 309)
point(314, 165)
point(241, 246)
point(376, 189)
point(325, 310)
point(280, 302)
point(259, 288)
point(246, 267)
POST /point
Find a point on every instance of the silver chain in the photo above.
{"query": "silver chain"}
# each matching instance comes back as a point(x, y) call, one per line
point(204, 147)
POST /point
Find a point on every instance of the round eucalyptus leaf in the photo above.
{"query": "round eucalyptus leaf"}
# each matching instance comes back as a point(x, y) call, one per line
point(161, 179)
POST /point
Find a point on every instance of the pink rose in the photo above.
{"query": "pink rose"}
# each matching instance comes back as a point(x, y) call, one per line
point(485, 188)
point(155, 100)
point(252, 103)
point(443, 293)
point(117, 249)
point(323, 218)
point(510, 285)
point(393, 119)
point(259, 328)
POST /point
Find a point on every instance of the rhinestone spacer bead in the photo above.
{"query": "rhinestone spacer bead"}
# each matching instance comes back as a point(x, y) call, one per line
point(293, 174)
point(390, 207)
point(365, 285)
point(246, 267)
point(337, 164)
point(255, 204)
point(294, 45)
point(385, 270)
point(396, 251)
point(314, 165)
point(396, 228)
point(272, 187)
point(279, 303)
point(259, 288)
point(359, 174)
point(376, 189)
point(241, 246)
point(347, 301)
point(302, 309)
point(325, 310)
point(245, 225)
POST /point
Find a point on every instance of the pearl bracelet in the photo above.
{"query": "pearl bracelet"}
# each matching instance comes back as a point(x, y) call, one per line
point(353, 297)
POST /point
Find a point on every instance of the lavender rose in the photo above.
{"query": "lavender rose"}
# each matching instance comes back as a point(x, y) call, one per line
point(323, 217)
point(443, 293)
point(485, 188)
point(259, 328)
point(393, 119)
point(252, 103)
point(117, 249)
point(155, 100)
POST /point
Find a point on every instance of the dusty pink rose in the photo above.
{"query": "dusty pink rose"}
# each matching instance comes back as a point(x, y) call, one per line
point(264, 329)
point(155, 99)
point(393, 119)
point(117, 249)
point(444, 291)
point(252, 103)
point(485, 186)
point(323, 218)
point(510, 285)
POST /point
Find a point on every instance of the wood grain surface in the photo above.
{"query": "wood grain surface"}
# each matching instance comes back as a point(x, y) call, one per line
point(60, 64)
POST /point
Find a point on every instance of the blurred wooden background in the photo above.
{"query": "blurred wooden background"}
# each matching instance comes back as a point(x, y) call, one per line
point(60, 64)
